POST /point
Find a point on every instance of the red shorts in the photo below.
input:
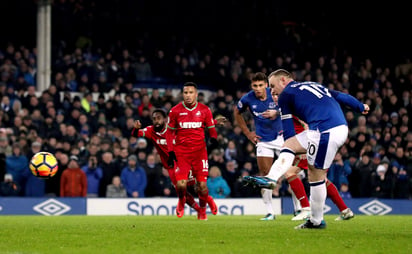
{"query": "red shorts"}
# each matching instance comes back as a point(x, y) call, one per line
point(190, 181)
point(301, 161)
point(197, 162)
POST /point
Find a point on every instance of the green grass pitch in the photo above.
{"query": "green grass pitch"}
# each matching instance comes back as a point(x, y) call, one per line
point(220, 234)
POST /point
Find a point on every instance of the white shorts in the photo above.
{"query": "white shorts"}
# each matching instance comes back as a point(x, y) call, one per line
point(321, 147)
point(269, 149)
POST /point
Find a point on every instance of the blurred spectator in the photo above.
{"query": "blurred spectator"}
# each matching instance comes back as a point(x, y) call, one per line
point(93, 174)
point(9, 187)
point(217, 159)
point(153, 171)
point(382, 182)
point(344, 191)
point(230, 173)
point(73, 182)
point(217, 185)
point(116, 189)
point(53, 184)
point(362, 172)
point(338, 171)
point(17, 164)
point(109, 169)
point(164, 185)
point(231, 151)
point(134, 178)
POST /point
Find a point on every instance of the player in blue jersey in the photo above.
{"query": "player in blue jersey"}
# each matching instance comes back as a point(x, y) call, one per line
point(268, 133)
point(327, 131)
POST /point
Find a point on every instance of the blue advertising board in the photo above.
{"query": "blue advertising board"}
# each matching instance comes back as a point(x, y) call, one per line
point(42, 206)
point(367, 206)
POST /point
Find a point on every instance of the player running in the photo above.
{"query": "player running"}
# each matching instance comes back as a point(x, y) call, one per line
point(187, 123)
point(157, 134)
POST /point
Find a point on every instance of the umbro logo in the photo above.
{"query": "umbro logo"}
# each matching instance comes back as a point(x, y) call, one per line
point(51, 207)
point(375, 207)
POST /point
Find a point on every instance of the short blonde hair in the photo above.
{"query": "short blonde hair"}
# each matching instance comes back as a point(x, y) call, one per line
point(280, 72)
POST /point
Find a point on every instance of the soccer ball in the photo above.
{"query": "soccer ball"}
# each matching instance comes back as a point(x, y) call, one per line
point(43, 165)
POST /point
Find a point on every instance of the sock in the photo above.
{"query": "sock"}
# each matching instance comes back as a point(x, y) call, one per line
point(203, 195)
point(267, 200)
point(317, 201)
point(190, 200)
point(334, 195)
point(181, 194)
point(296, 204)
point(282, 164)
point(298, 190)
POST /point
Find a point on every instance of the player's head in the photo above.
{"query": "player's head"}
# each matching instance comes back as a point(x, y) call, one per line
point(259, 83)
point(278, 80)
point(159, 119)
point(189, 91)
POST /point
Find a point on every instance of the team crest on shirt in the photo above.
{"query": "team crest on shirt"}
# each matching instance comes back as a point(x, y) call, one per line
point(272, 105)
point(198, 113)
point(254, 106)
point(240, 104)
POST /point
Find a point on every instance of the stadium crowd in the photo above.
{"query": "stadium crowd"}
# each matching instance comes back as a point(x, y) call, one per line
point(96, 93)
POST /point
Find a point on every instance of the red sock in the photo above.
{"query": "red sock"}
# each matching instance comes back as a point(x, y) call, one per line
point(181, 194)
point(334, 195)
point(203, 195)
point(297, 187)
point(190, 200)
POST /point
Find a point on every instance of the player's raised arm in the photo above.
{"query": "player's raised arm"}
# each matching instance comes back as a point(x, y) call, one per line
point(136, 129)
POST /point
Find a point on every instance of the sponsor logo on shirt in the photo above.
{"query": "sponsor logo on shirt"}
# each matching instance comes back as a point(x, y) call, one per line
point(161, 142)
point(183, 114)
point(190, 125)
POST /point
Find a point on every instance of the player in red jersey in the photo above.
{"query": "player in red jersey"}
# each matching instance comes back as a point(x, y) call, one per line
point(187, 123)
point(157, 134)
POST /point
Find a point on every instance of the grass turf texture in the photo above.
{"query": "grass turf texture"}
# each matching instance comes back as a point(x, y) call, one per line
point(220, 234)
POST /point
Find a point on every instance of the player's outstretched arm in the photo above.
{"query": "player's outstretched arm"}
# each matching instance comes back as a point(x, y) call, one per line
point(135, 132)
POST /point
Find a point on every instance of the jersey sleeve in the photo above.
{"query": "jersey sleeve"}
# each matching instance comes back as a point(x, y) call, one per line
point(347, 100)
point(242, 104)
point(286, 115)
point(171, 120)
point(171, 130)
point(146, 132)
point(210, 123)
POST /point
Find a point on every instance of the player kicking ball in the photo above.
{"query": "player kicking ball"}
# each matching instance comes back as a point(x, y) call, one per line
point(327, 131)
